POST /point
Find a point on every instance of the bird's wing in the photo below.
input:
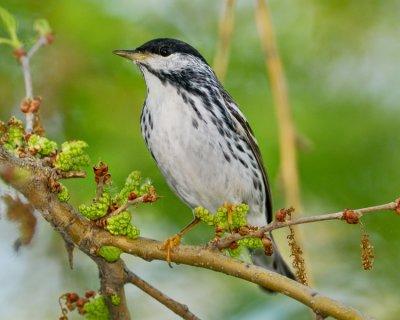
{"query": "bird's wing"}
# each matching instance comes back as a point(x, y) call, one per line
point(246, 132)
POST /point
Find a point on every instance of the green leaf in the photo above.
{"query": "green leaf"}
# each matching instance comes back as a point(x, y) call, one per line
point(5, 41)
point(10, 25)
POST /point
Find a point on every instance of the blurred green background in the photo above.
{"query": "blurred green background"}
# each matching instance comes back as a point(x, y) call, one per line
point(342, 63)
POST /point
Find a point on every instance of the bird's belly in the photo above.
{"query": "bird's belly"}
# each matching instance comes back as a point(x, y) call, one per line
point(189, 154)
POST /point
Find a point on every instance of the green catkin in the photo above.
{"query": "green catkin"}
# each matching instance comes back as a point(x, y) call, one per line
point(63, 195)
point(220, 218)
point(238, 216)
point(41, 145)
point(72, 156)
point(98, 208)
point(251, 243)
point(13, 135)
point(96, 309)
point(243, 245)
point(110, 253)
point(133, 184)
point(115, 300)
point(204, 215)
point(120, 225)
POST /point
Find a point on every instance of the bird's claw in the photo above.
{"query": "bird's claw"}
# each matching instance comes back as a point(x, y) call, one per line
point(169, 245)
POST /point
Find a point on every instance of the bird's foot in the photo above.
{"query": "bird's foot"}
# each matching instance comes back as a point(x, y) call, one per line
point(170, 244)
point(230, 208)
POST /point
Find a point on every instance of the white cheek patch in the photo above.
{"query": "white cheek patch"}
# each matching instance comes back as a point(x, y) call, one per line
point(173, 62)
point(156, 62)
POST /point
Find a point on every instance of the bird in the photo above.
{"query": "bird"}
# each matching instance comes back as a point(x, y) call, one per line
point(200, 139)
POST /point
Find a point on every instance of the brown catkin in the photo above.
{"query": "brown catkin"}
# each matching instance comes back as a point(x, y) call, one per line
point(298, 260)
point(367, 250)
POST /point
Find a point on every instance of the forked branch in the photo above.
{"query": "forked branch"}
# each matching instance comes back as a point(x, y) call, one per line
point(89, 239)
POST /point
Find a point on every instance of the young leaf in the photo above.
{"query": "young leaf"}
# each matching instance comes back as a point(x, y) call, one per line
point(42, 27)
point(10, 25)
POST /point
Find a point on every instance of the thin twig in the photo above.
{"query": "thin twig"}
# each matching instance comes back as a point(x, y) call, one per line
point(126, 205)
point(27, 77)
point(226, 241)
point(26, 70)
point(226, 25)
point(42, 41)
point(175, 306)
point(99, 189)
point(72, 174)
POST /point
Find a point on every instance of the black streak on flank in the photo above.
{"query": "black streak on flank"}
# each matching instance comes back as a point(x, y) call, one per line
point(195, 123)
point(226, 156)
point(239, 147)
point(150, 120)
point(231, 150)
point(257, 184)
point(243, 163)
point(193, 105)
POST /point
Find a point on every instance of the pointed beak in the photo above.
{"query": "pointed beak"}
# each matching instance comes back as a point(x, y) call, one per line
point(133, 55)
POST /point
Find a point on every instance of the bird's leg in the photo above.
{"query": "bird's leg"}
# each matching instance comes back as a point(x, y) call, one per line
point(229, 207)
point(175, 240)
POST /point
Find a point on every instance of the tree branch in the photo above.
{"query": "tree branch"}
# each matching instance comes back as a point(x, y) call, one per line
point(112, 280)
point(66, 220)
point(179, 308)
point(226, 241)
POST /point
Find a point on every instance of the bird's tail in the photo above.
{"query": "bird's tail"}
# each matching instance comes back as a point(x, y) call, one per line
point(275, 262)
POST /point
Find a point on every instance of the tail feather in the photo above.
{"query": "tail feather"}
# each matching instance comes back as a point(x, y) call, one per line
point(275, 263)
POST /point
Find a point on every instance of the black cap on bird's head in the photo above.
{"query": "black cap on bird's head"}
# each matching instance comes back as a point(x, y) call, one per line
point(162, 47)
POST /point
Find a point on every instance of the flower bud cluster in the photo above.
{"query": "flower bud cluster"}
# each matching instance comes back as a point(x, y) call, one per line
point(204, 215)
point(115, 300)
point(109, 210)
point(41, 145)
point(237, 248)
point(12, 135)
point(251, 243)
point(96, 309)
point(133, 186)
point(110, 253)
point(91, 305)
point(63, 194)
point(225, 218)
point(120, 225)
point(98, 208)
point(72, 156)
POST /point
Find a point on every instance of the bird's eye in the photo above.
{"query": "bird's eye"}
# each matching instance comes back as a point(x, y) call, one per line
point(164, 51)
